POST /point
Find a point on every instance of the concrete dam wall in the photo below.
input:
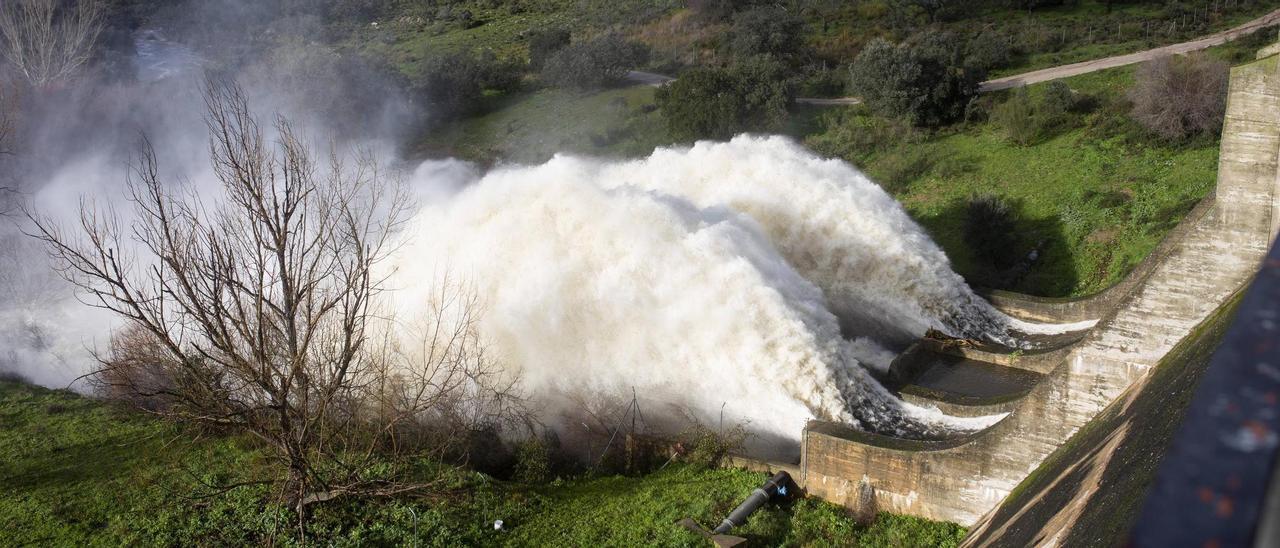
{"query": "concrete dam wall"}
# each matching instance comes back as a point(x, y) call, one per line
point(1050, 395)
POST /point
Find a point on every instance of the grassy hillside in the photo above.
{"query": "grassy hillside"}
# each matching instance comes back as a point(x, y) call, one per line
point(1094, 197)
point(74, 471)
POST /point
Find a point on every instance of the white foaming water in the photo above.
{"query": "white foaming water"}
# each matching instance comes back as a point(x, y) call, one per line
point(750, 274)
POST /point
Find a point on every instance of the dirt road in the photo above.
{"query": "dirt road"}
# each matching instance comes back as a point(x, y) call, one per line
point(1075, 69)
point(1044, 75)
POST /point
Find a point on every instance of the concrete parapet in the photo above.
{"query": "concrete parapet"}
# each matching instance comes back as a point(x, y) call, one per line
point(1102, 303)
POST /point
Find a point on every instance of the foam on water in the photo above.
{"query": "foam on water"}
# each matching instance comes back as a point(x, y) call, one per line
point(750, 274)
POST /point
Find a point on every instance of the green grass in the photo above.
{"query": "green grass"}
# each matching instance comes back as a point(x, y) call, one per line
point(531, 127)
point(1094, 199)
point(76, 472)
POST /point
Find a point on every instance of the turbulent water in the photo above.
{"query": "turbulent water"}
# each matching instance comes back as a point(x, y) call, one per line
point(749, 279)
point(751, 275)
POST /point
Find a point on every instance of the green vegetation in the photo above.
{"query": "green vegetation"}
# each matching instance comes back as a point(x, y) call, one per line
point(1092, 191)
point(595, 63)
point(926, 81)
point(719, 103)
point(1091, 200)
point(1115, 456)
point(74, 471)
point(1038, 34)
point(534, 126)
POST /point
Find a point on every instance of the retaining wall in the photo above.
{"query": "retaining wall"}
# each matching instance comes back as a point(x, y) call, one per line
point(1208, 257)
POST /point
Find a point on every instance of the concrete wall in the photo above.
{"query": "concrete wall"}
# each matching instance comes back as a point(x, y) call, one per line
point(1197, 269)
point(1092, 307)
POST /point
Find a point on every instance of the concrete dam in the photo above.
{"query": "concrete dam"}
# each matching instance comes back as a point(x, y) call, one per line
point(1051, 393)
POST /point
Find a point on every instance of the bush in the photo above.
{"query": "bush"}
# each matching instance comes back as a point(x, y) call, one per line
point(136, 371)
point(533, 461)
point(718, 103)
point(1019, 119)
point(706, 447)
point(925, 82)
point(1026, 120)
point(897, 168)
point(545, 43)
point(1058, 99)
point(768, 30)
point(989, 231)
point(595, 63)
point(711, 11)
point(854, 136)
point(990, 50)
point(456, 82)
point(1177, 98)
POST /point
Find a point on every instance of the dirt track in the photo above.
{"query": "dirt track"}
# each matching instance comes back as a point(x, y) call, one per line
point(1044, 75)
point(1085, 67)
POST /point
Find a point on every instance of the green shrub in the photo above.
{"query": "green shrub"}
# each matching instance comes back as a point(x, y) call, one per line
point(1026, 120)
point(545, 43)
point(1019, 118)
point(533, 461)
point(990, 50)
point(711, 11)
point(455, 82)
point(718, 103)
point(707, 447)
point(897, 168)
point(855, 136)
point(925, 81)
point(1057, 100)
point(766, 30)
point(595, 63)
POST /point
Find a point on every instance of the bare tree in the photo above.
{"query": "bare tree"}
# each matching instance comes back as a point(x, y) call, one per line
point(49, 40)
point(260, 314)
point(1176, 97)
point(7, 114)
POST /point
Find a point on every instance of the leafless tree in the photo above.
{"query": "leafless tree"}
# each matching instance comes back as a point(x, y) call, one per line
point(1176, 97)
point(261, 314)
point(9, 112)
point(49, 40)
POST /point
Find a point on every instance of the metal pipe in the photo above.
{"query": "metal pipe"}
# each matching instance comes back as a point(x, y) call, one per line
point(778, 485)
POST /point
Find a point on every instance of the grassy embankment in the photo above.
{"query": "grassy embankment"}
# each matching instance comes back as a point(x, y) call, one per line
point(74, 471)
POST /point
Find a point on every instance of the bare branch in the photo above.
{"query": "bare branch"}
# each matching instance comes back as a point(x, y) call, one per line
point(49, 40)
point(259, 314)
